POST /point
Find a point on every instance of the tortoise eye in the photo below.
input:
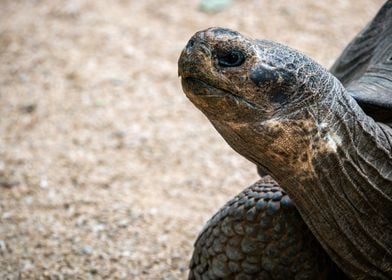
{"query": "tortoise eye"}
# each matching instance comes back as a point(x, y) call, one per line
point(230, 58)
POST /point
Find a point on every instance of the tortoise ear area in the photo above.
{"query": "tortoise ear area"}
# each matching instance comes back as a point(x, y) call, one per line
point(263, 74)
point(277, 82)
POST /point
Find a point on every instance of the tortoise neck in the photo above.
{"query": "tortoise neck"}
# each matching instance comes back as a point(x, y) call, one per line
point(347, 201)
point(335, 163)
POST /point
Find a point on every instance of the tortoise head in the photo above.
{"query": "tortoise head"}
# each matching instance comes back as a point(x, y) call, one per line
point(261, 96)
point(233, 78)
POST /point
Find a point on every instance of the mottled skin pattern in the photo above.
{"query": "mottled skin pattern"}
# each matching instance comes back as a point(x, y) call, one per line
point(260, 235)
point(296, 122)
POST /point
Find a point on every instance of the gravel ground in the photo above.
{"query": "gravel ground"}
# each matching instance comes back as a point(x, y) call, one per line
point(106, 169)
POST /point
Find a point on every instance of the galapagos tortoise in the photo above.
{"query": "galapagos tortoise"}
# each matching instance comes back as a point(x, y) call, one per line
point(324, 136)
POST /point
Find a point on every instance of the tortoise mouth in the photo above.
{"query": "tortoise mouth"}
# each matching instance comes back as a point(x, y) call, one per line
point(195, 87)
point(202, 88)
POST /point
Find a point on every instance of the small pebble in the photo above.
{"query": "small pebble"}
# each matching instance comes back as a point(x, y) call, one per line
point(93, 270)
point(29, 200)
point(123, 223)
point(99, 227)
point(6, 215)
point(43, 183)
point(28, 108)
point(3, 247)
point(126, 253)
point(23, 77)
point(214, 6)
point(86, 250)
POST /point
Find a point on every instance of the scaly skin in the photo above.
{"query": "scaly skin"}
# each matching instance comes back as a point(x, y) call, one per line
point(259, 234)
point(291, 117)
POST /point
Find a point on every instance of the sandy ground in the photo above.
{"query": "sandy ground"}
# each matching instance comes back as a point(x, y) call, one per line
point(106, 169)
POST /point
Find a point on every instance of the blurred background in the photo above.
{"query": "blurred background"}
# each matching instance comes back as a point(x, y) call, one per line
point(106, 169)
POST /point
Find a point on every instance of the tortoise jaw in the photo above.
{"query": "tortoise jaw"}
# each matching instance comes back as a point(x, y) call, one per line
point(198, 87)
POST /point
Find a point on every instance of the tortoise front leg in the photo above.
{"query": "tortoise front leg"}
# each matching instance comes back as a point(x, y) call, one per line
point(259, 234)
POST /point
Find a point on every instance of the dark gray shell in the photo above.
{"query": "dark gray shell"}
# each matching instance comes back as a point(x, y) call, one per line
point(365, 66)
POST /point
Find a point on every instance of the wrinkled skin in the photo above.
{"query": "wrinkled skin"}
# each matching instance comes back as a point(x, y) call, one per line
point(294, 120)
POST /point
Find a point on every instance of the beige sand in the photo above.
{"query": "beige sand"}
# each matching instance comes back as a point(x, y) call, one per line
point(106, 169)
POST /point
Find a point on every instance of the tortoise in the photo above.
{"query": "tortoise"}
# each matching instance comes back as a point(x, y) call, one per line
point(324, 138)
